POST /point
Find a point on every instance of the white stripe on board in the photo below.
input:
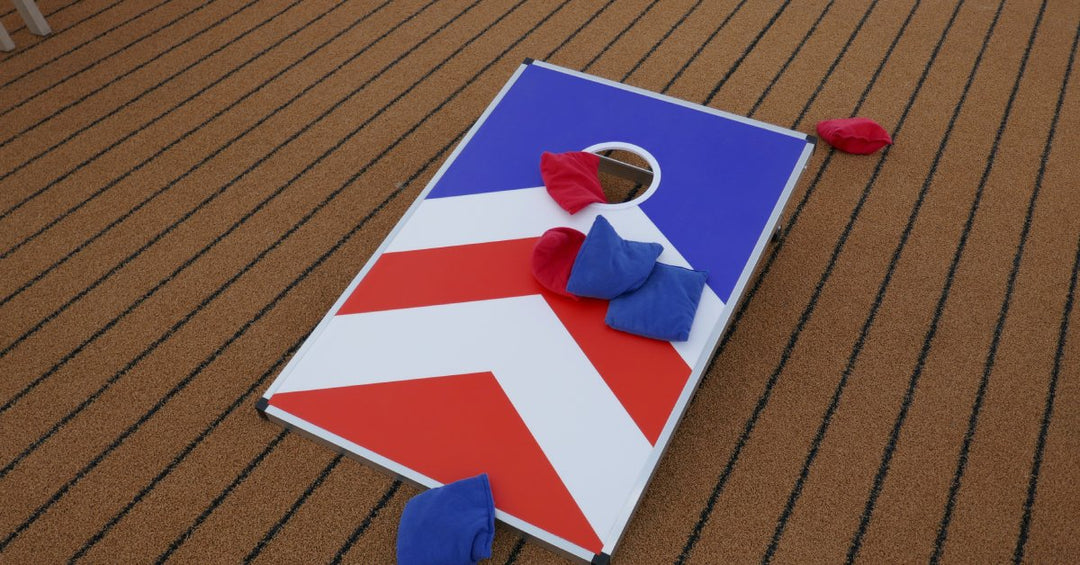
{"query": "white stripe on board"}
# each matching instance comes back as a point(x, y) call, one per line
point(529, 212)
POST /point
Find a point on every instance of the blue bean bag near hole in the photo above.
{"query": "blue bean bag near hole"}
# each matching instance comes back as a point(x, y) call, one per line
point(663, 308)
point(608, 265)
point(450, 525)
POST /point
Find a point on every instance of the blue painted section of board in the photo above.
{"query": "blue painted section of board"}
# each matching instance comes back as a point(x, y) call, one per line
point(720, 178)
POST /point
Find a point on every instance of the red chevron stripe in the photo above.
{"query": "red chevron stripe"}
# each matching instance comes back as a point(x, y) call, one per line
point(646, 375)
point(454, 427)
point(445, 275)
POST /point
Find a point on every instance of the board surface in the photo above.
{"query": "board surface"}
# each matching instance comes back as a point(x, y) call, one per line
point(444, 358)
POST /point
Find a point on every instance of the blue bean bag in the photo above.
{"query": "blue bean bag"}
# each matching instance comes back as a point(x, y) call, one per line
point(450, 525)
point(608, 265)
point(663, 308)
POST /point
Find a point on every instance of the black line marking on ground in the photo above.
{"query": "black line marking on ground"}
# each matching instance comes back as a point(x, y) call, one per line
point(1051, 392)
point(99, 60)
point(273, 531)
point(807, 311)
point(153, 195)
point(188, 38)
point(7, 253)
point(813, 97)
point(1006, 302)
point(575, 33)
point(795, 53)
point(222, 496)
point(138, 97)
point(1048, 411)
point(619, 36)
point(723, 23)
point(746, 52)
point(359, 531)
point(662, 39)
point(867, 326)
point(14, 54)
point(182, 455)
point(138, 130)
point(515, 551)
point(46, 14)
point(890, 447)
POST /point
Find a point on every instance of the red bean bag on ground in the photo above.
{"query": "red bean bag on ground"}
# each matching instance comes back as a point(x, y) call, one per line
point(572, 179)
point(861, 136)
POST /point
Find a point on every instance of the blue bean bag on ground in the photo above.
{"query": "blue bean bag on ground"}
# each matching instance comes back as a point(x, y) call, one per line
point(663, 308)
point(450, 525)
point(608, 265)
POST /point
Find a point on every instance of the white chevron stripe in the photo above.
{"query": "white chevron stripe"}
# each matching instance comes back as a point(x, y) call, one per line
point(590, 439)
point(529, 212)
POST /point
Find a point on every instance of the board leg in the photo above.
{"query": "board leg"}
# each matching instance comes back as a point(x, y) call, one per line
point(30, 13)
point(6, 44)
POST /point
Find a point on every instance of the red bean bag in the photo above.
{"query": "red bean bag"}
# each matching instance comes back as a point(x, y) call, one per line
point(572, 179)
point(861, 136)
point(553, 258)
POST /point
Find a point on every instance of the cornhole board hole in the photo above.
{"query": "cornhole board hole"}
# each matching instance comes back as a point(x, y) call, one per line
point(444, 358)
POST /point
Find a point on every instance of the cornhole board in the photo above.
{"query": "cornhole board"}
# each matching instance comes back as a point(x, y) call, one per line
point(444, 359)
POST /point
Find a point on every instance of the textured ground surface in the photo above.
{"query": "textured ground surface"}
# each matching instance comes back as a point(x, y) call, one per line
point(187, 185)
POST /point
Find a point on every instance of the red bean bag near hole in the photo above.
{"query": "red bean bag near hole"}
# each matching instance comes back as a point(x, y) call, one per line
point(553, 258)
point(572, 179)
point(861, 136)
